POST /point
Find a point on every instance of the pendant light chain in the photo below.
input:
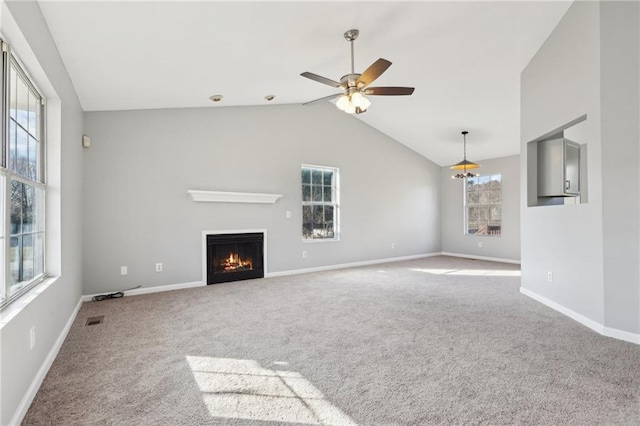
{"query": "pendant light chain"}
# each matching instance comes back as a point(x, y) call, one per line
point(464, 165)
point(464, 136)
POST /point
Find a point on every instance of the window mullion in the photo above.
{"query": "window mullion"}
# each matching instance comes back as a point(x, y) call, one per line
point(4, 100)
point(4, 188)
point(6, 240)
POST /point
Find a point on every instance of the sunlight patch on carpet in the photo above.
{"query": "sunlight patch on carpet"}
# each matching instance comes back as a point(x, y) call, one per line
point(243, 389)
point(472, 272)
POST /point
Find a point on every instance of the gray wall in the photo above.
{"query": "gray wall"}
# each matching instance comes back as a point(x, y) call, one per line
point(560, 84)
point(49, 311)
point(507, 246)
point(591, 248)
point(620, 71)
point(141, 164)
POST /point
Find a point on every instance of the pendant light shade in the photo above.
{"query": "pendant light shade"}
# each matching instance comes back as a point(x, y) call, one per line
point(465, 164)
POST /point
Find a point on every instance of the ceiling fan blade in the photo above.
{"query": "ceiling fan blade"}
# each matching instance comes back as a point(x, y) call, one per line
point(389, 91)
point(320, 79)
point(374, 71)
point(326, 98)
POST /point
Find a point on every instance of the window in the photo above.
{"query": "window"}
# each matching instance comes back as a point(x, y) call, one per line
point(483, 205)
point(319, 203)
point(21, 181)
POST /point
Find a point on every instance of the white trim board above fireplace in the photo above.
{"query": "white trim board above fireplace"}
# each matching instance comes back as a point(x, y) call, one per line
point(232, 231)
point(232, 197)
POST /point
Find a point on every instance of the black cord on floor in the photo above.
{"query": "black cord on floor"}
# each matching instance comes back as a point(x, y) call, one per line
point(115, 295)
point(107, 296)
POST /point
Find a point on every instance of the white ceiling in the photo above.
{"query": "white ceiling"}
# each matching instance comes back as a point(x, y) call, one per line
point(463, 58)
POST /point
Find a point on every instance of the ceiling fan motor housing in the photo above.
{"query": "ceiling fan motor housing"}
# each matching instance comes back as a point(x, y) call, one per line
point(349, 81)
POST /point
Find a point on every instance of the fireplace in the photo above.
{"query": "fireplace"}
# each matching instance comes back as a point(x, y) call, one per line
point(234, 257)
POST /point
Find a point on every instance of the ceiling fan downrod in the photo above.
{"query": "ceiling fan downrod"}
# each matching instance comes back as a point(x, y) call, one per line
point(351, 36)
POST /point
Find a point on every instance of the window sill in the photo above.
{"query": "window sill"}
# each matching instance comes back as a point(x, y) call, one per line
point(321, 240)
point(14, 308)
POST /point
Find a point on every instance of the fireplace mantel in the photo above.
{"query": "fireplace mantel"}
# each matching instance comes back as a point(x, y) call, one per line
point(232, 197)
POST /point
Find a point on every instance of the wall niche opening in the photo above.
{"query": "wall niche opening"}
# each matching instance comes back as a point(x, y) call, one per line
point(557, 166)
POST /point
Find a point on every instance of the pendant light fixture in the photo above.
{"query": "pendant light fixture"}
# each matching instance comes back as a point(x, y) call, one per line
point(465, 164)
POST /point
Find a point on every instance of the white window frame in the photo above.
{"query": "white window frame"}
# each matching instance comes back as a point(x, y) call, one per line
point(335, 203)
point(7, 175)
point(491, 177)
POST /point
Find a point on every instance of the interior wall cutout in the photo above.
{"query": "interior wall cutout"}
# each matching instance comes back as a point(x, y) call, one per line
point(557, 166)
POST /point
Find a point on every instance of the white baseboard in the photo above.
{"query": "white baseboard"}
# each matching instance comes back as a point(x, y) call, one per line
point(594, 325)
point(622, 335)
point(147, 290)
point(26, 401)
point(473, 256)
point(157, 289)
point(349, 265)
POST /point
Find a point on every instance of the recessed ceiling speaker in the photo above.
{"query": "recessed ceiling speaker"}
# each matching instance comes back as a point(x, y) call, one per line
point(86, 141)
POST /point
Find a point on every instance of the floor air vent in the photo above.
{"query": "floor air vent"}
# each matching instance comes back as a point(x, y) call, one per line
point(94, 320)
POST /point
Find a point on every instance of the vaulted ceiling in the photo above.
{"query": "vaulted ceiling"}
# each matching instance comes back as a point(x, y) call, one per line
point(463, 58)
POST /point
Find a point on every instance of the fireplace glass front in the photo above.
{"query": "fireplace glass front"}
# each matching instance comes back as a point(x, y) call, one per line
point(234, 257)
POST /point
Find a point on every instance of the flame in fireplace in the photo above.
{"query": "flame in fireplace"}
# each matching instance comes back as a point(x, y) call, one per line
point(235, 263)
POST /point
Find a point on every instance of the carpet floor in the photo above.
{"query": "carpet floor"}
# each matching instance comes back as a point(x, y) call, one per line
point(437, 340)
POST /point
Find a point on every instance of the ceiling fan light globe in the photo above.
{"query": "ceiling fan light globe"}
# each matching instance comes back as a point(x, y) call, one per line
point(366, 103)
point(343, 102)
point(357, 99)
point(350, 109)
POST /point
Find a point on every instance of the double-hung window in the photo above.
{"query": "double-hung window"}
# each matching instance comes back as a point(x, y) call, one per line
point(21, 181)
point(483, 205)
point(319, 203)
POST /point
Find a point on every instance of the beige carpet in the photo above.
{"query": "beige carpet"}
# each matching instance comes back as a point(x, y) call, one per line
point(431, 341)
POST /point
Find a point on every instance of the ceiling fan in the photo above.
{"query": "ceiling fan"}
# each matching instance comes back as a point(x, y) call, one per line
point(355, 90)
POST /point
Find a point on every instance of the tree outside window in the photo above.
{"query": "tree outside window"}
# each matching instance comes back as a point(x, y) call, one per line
point(483, 205)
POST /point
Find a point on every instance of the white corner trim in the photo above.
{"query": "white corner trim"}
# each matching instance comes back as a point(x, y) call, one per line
point(348, 265)
point(622, 335)
point(594, 325)
point(147, 290)
point(473, 256)
point(232, 197)
point(26, 401)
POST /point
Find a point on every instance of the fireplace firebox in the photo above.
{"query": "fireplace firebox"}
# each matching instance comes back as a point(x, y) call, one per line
point(234, 257)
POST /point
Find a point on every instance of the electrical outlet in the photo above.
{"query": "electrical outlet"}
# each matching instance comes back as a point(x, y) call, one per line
point(393, 246)
point(123, 270)
point(304, 254)
point(480, 244)
point(550, 276)
point(32, 337)
point(158, 267)
point(288, 214)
